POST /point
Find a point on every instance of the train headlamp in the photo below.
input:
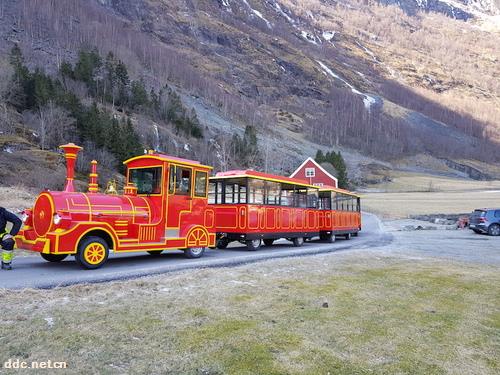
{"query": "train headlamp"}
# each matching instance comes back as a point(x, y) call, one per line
point(57, 219)
point(24, 217)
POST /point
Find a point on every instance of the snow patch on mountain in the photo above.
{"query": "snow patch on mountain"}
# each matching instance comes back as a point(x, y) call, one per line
point(283, 13)
point(368, 52)
point(328, 35)
point(368, 100)
point(311, 38)
point(258, 14)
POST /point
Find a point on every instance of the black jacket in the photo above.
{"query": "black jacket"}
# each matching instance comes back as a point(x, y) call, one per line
point(6, 216)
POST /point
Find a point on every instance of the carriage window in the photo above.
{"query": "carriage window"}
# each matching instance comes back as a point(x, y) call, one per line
point(243, 193)
point(182, 181)
point(256, 189)
point(312, 198)
point(287, 195)
point(235, 191)
point(215, 192)
point(325, 202)
point(334, 201)
point(300, 198)
point(200, 184)
point(212, 196)
point(272, 193)
point(231, 189)
point(147, 180)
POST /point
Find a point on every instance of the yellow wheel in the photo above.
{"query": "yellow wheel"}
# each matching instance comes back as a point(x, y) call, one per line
point(92, 252)
point(197, 241)
point(198, 237)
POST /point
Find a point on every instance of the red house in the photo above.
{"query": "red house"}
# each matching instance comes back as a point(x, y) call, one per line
point(315, 174)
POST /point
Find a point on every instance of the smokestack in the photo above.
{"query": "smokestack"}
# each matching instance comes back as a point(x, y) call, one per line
point(70, 152)
point(93, 186)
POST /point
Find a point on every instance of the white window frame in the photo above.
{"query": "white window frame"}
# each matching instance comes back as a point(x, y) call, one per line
point(309, 170)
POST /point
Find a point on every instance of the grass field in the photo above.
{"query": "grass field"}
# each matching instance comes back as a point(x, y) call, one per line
point(400, 205)
point(384, 316)
point(414, 194)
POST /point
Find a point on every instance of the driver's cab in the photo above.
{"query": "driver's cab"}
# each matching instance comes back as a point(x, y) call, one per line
point(176, 190)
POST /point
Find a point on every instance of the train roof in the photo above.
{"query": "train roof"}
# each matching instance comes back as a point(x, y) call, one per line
point(167, 158)
point(337, 190)
point(263, 176)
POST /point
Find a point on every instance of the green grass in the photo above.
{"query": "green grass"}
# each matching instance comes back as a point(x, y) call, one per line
point(383, 317)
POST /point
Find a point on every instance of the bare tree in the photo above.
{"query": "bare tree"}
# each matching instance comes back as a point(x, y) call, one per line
point(53, 124)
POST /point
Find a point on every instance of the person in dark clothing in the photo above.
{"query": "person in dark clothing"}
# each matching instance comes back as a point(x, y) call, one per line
point(7, 238)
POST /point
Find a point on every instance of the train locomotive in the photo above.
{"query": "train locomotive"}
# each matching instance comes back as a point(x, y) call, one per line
point(172, 203)
point(163, 207)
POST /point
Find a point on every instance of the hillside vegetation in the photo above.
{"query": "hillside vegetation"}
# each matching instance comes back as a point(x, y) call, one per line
point(238, 83)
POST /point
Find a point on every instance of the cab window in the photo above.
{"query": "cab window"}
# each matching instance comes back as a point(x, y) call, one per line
point(147, 180)
point(200, 184)
point(180, 180)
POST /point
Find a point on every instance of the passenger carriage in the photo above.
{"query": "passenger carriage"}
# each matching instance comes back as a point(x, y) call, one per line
point(340, 213)
point(163, 207)
point(253, 207)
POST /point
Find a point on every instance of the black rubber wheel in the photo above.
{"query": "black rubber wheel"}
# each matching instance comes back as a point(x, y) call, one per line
point(222, 243)
point(328, 238)
point(268, 242)
point(194, 252)
point(92, 252)
point(494, 230)
point(476, 231)
point(253, 245)
point(54, 257)
point(155, 253)
point(298, 241)
point(347, 236)
point(355, 234)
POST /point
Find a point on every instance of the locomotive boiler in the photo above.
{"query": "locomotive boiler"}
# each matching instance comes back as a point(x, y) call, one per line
point(163, 207)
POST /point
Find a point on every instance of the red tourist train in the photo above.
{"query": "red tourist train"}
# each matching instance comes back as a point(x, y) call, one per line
point(163, 207)
point(253, 207)
point(169, 203)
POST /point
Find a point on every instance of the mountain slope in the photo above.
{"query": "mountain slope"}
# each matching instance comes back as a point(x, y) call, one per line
point(369, 80)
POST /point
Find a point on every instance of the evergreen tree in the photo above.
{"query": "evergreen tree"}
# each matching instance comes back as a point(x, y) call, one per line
point(338, 163)
point(320, 157)
point(195, 126)
point(66, 70)
point(91, 128)
point(123, 82)
point(342, 171)
point(17, 95)
point(86, 66)
point(130, 140)
point(21, 73)
point(139, 95)
point(250, 138)
point(113, 138)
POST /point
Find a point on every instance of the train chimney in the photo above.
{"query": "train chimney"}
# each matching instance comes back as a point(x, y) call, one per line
point(70, 152)
point(93, 185)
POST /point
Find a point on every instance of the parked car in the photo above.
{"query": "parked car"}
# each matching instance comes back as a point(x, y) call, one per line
point(486, 220)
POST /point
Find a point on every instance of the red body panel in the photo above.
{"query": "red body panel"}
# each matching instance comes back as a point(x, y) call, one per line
point(154, 221)
point(339, 221)
point(254, 219)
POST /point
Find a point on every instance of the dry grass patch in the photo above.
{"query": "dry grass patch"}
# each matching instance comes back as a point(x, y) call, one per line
point(16, 198)
point(401, 205)
point(384, 315)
